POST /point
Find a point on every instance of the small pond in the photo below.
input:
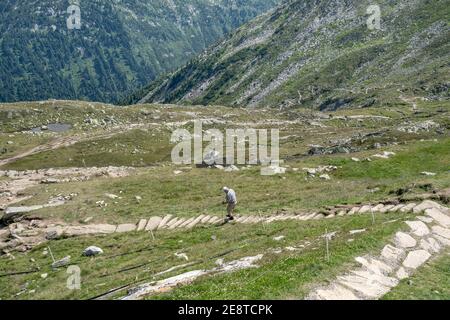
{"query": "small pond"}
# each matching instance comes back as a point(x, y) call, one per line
point(53, 127)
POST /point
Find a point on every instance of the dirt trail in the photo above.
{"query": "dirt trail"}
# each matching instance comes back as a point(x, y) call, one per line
point(67, 141)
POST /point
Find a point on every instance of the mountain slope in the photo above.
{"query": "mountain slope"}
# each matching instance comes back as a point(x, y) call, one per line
point(122, 44)
point(320, 54)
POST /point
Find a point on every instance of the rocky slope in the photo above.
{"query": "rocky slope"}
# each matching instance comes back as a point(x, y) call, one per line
point(320, 54)
point(122, 44)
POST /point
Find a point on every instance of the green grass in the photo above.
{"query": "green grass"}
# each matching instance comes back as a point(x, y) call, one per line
point(430, 282)
point(285, 276)
point(198, 191)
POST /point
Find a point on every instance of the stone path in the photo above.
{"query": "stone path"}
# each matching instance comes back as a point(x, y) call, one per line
point(18, 181)
point(188, 277)
point(24, 235)
point(427, 236)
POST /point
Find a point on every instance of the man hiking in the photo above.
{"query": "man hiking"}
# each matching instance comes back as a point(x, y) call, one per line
point(230, 201)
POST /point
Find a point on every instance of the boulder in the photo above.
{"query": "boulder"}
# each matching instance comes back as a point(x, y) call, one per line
point(61, 263)
point(92, 251)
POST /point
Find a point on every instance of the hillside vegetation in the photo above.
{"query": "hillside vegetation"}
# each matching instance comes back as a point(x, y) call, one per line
point(121, 46)
point(320, 54)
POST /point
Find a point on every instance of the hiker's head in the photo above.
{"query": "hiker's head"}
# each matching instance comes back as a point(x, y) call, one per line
point(225, 189)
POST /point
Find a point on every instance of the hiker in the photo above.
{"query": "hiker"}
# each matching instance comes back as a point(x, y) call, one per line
point(230, 201)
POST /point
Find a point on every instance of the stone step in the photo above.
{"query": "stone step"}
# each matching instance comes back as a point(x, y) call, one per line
point(177, 224)
point(141, 224)
point(171, 222)
point(186, 223)
point(164, 221)
point(153, 223)
point(206, 219)
point(127, 227)
point(195, 222)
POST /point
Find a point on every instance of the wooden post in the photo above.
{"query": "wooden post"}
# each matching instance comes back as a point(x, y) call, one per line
point(51, 254)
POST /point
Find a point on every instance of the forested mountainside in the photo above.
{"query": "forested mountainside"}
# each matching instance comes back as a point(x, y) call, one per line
point(323, 54)
point(120, 45)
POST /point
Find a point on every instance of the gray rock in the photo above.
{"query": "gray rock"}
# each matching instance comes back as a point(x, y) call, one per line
point(438, 216)
point(371, 290)
point(61, 263)
point(430, 245)
point(128, 227)
point(392, 254)
point(427, 204)
point(375, 266)
point(404, 240)
point(141, 225)
point(416, 258)
point(442, 232)
point(92, 251)
point(418, 228)
point(402, 274)
point(425, 219)
point(334, 292)
point(408, 208)
point(164, 221)
point(153, 223)
point(365, 209)
point(386, 208)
